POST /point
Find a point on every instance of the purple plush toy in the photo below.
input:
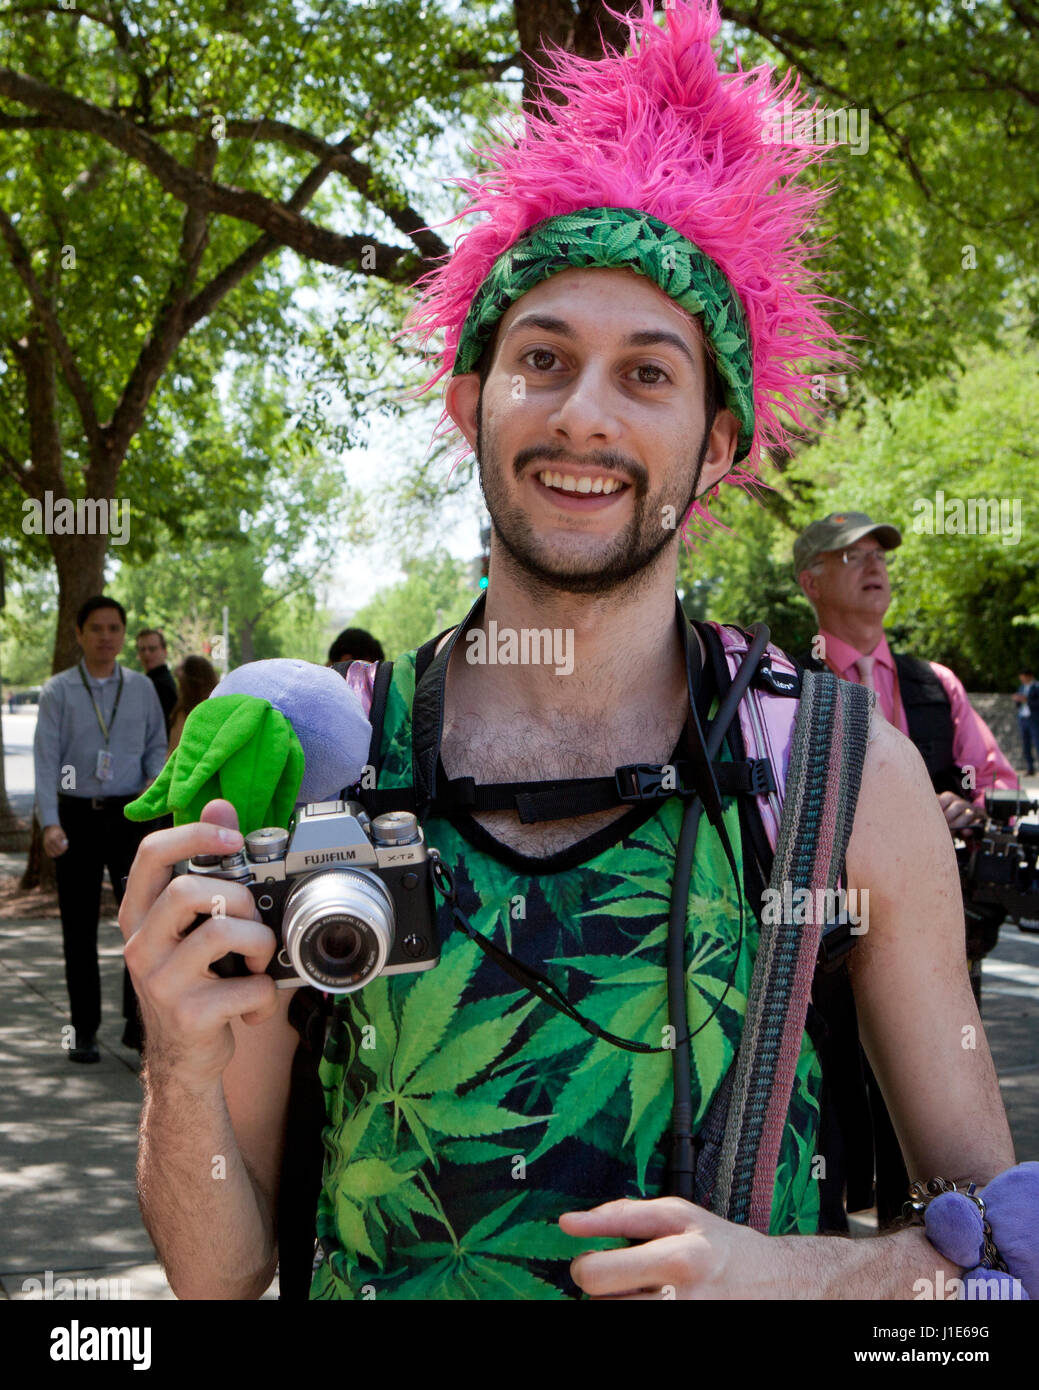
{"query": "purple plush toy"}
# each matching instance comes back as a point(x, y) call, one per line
point(954, 1227)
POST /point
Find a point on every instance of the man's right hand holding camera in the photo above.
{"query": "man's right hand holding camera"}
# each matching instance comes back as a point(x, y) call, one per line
point(216, 1091)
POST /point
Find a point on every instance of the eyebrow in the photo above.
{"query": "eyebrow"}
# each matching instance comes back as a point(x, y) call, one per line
point(647, 337)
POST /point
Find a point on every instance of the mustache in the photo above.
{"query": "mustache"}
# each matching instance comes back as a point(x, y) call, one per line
point(606, 459)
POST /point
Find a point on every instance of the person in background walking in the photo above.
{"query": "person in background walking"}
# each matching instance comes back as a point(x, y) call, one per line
point(100, 740)
point(1027, 701)
point(151, 653)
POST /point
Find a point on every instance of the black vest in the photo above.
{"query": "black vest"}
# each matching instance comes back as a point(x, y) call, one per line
point(928, 715)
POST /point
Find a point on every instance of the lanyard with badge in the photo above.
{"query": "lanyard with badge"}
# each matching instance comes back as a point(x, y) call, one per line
point(103, 770)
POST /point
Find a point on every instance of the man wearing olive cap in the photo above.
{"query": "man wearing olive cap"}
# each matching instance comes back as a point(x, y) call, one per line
point(842, 563)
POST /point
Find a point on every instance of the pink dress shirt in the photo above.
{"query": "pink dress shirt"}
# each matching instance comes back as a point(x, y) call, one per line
point(973, 742)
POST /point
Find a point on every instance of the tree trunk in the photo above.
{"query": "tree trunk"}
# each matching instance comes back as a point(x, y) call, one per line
point(80, 562)
point(246, 650)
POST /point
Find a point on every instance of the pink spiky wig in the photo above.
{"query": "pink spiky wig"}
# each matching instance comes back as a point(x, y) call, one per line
point(660, 131)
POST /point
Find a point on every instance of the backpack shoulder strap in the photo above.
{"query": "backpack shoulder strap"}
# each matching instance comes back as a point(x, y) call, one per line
point(822, 787)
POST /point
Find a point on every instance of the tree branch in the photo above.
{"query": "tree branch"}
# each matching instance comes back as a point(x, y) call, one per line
point(112, 21)
point(44, 310)
point(198, 191)
point(235, 271)
point(179, 314)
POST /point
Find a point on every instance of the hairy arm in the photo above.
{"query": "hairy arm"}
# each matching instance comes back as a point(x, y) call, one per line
point(209, 1162)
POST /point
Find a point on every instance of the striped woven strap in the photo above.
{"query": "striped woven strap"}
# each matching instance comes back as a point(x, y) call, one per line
point(822, 788)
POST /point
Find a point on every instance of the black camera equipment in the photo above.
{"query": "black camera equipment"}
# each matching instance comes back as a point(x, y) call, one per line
point(998, 872)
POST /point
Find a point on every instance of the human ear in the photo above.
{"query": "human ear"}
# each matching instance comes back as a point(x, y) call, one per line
point(721, 448)
point(809, 583)
point(461, 398)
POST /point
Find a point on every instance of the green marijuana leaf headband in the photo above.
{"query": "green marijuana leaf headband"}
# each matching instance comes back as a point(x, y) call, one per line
point(615, 238)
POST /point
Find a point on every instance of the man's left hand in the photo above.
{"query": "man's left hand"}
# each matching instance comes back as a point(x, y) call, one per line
point(958, 812)
point(688, 1253)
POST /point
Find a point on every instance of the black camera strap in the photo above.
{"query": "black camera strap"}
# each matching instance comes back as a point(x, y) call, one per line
point(525, 975)
point(700, 751)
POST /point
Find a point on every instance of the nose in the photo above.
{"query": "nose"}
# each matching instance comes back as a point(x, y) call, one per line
point(586, 413)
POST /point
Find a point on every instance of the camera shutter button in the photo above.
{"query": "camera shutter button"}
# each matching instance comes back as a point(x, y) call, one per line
point(395, 828)
point(269, 843)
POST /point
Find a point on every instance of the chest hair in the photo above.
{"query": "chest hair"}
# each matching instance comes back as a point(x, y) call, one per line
point(564, 747)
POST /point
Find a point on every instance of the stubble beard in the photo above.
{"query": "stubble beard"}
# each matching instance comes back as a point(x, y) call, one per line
point(627, 561)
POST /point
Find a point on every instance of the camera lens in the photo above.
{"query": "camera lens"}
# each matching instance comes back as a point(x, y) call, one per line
point(338, 928)
point(337, 945)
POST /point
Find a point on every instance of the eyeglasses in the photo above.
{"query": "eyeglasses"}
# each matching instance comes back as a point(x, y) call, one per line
point(857, 558)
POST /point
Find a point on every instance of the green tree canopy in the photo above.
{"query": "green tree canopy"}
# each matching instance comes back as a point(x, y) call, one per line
point(966, 597)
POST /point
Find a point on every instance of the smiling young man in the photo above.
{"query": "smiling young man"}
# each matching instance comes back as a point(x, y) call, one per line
point(476, 1139)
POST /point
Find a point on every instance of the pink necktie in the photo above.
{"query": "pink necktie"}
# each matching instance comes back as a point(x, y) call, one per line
point(864, 666)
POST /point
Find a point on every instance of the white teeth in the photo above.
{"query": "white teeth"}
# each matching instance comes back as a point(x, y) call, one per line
point(568, 483)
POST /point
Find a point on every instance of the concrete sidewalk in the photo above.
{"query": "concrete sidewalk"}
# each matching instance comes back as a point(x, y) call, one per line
point(68, 1132)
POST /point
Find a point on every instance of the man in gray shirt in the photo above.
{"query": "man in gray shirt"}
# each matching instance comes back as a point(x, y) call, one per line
point(100, 739)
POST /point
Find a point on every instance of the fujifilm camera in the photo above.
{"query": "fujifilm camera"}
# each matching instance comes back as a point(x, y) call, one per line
point(348, 898)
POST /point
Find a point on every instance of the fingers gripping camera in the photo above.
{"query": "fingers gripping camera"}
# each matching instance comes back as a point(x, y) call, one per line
point(348, 898)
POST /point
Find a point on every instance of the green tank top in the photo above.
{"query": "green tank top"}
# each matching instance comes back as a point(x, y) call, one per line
point(464, 1116)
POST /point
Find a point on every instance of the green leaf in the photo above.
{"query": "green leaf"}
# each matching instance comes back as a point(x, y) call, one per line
point(350, 1227)
point(534, 1240)
point(430, 1005)
point(512, 1280)
point(466, 1118)
point(369, 1177)
point(475, 1151)
point(627, 907)
point(649, 1076)
point(486, 1227)
point(418, 1129)
point(467, 1053)
point(581, 1097)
